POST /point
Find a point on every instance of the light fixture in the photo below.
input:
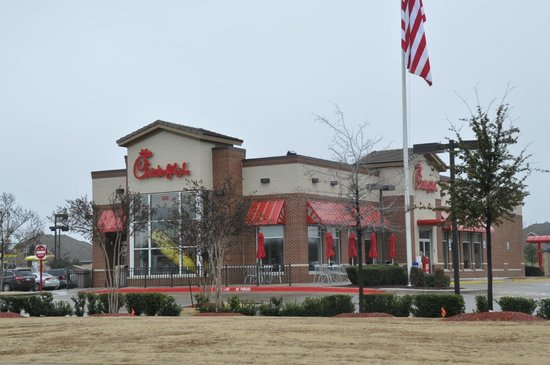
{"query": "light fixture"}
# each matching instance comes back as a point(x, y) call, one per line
point(333, 182)
point(315, 180)
point(264, 180)
point(119, 191)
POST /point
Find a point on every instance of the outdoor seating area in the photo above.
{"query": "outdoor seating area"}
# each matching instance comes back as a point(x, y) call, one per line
point(263, 274)
point(330, 274)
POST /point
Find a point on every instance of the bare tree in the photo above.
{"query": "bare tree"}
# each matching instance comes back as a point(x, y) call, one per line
point(17, 226)
point(350, 146)
point(211, 222)
point(129, 213)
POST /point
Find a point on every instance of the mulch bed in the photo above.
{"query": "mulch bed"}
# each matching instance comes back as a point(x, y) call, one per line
point(10, 315)
point(369, 315)
point(218, 314)
point(493, 316)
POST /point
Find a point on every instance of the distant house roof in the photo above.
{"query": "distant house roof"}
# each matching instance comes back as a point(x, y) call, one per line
point(199, 133)
point(395, 157)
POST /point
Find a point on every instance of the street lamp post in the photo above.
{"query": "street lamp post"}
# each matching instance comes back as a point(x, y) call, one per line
point(57, 232)
point(451, 147)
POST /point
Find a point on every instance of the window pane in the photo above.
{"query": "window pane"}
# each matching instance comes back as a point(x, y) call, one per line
point(272, 231)
point(141, 239)
point(163, 237)
point(141, 261)
point(313, 247)
point(161, 263)
point(189, 203)
point(274, 251)
point(163, 205)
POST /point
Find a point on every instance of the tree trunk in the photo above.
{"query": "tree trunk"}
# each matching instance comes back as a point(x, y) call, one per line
point(489, 268)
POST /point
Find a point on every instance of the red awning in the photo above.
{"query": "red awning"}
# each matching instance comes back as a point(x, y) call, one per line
point(538, 239)
point(447, 224)
point(333, 214)
point(266, 212)
point(110, 222)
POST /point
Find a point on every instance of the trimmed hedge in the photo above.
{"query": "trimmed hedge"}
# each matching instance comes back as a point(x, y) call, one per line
point(234, 304)
point(430, 305)
point(533, 271)
point(376, 275)
point(327, 306)
point(544, 308)
point(35, 305)
point(438, 279)
point(482, 304)
point(151, 304)
point(388, 303)
point(517, 304)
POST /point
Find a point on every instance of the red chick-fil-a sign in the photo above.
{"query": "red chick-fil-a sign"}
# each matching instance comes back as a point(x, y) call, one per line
point(428, 185)
point(143, 169)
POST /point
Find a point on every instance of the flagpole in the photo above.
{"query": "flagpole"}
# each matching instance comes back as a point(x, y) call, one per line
point(408, 237)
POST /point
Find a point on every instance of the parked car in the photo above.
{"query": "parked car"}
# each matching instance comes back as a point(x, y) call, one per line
point(18, 279)
point(64, 277)
point(48, 281)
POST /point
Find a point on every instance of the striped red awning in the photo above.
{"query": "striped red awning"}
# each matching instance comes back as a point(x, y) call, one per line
point(333, 214)
point(110, 222)
point(266, 212)
point(538, 239)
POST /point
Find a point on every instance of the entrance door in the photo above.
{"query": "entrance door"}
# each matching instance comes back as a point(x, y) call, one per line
point(426, 246)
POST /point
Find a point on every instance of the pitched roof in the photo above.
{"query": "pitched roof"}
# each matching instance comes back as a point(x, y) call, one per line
point(396, 157)
point(199, 133)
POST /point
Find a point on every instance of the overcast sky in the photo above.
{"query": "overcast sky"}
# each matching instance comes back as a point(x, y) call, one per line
point(78, 75)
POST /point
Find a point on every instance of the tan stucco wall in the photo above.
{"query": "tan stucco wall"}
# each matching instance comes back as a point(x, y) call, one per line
point(169, 148)
point(103, 189)
point(297, 178)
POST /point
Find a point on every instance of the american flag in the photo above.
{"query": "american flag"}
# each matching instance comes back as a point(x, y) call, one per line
point(413, 39)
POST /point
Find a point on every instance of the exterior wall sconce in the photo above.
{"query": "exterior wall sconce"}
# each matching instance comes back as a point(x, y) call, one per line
point(264, 180)
point(333, 182)
point(119, 191)
point(315, 180)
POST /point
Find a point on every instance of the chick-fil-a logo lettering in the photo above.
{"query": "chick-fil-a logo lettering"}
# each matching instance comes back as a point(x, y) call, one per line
point(143, 169)
point(421, 184)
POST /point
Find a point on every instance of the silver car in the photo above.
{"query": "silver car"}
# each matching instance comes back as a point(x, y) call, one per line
point(48, 281)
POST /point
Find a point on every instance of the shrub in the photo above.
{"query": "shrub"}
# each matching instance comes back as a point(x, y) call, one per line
point(273, 308)
point(92, 303)
point(544, 308)
point(313, 307)
point(376, 275)
point(147, 303)
point(336, 304)
point(169, 307)
point(517, 304)
point(440, 280)
point(293, 310)
point(429, 305)
point(388, 303)
point(482, 305)
point(533, 271)
point(35, 305)
point(79, 303)
point(418, 277)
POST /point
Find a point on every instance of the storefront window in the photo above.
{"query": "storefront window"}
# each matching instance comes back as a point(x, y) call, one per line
point(336, 259)
point(478, 253)
point(445, 248)
point(156, 249)
point(314, 246)
point(466, 249)
point(274, 242)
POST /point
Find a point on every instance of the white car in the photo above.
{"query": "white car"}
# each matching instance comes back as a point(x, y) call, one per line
point(48, 281)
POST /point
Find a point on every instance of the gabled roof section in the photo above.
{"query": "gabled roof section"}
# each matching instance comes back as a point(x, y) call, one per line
point(395, 158)
point(183, 130)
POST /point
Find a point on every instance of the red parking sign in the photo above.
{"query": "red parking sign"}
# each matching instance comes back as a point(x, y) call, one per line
point(40, 251)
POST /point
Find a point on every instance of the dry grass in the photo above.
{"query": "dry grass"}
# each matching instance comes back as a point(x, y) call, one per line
point(265, 340)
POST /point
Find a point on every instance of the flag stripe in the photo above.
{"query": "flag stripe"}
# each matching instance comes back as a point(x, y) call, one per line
point(413, 39)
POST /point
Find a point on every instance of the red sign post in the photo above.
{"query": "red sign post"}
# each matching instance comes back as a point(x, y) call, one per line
point(40, 252)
